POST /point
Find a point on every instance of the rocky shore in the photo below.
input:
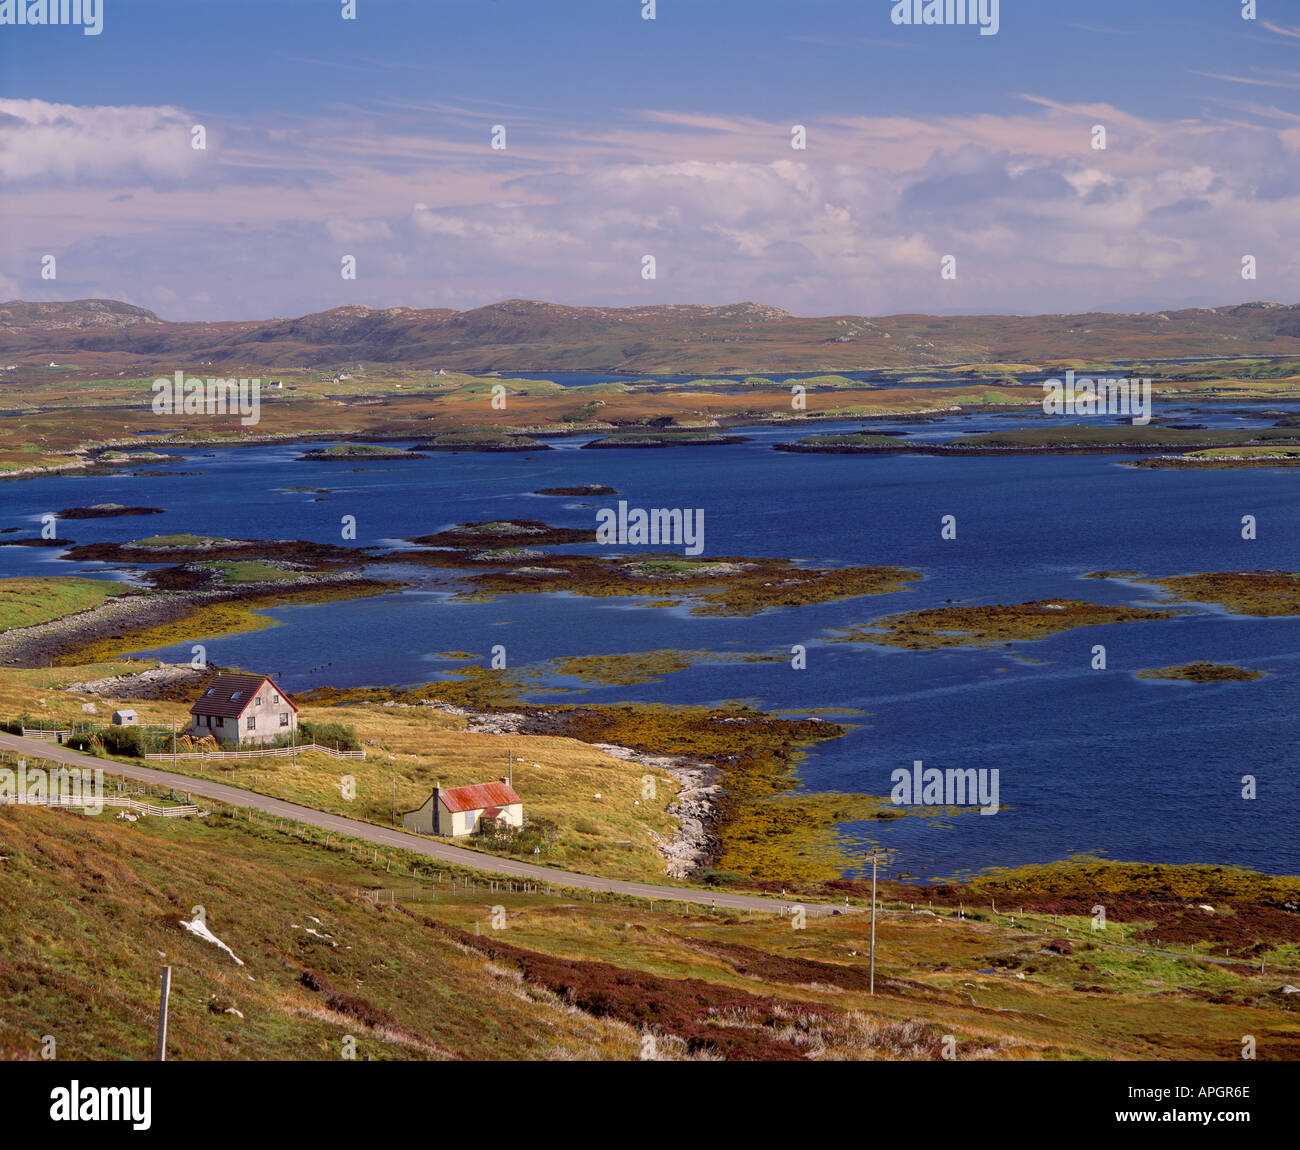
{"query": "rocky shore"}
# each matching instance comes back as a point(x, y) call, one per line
point(40, 644)
point(695, 808)
point(158, 682)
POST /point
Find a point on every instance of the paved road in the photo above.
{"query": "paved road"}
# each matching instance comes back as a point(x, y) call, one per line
point(383, 836)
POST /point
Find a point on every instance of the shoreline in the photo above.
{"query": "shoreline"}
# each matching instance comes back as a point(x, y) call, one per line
point(41, 644)
point(84, 456)
point(696, 807)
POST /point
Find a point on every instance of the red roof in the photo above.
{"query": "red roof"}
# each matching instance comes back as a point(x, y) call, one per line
point(478, 797)
point(230, 693)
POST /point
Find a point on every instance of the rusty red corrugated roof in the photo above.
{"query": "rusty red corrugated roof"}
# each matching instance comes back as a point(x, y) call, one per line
point(229, 694)
point(478, 796)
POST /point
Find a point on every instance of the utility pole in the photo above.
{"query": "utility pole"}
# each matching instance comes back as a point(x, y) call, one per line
point(510, 772)
point(873, 926)
point(161, 1055)
point(394, 800)
point(173, 749)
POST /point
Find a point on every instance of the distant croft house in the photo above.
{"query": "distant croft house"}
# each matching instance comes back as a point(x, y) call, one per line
point(126, 718)
point(456, 811)
point(239, 708)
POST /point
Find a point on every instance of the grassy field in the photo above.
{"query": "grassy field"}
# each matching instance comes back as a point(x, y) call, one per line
point(27, 601)
point(62, 417)
point(604, 809)
point(247, 571)
point(91, 908)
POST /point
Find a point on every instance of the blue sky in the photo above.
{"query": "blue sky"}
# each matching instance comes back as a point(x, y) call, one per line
point(627, 137)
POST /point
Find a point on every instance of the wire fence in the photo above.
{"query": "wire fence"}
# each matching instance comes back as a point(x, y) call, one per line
point(258, 753)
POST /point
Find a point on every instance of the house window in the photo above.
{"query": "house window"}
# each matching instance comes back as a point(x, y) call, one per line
point(258, 701)
point(252, 722)
point(275, 698)
point(235, 695)
point(284, 719)
point(220, 721)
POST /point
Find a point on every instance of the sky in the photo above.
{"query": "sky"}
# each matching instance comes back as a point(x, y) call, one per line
point(627, 137)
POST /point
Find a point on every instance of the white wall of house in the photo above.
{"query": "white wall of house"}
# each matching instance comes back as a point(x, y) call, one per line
point(421, 820)
point(271, 714)
point(430, 820)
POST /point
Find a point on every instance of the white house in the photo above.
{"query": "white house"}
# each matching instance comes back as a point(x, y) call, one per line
point(239, 708)
point(125, 718)
point(456, 811)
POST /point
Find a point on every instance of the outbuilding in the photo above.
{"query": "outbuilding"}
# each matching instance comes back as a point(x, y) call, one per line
point(457, 811)
point(126, 718)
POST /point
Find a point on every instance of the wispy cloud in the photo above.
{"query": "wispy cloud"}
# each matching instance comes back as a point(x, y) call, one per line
point(1291, 79)
point(1278, 30)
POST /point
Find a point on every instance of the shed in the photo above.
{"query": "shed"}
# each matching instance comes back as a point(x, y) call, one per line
point(126, 718)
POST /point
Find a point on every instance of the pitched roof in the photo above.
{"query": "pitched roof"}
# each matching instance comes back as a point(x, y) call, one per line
point(478, 796)
point(230, 693)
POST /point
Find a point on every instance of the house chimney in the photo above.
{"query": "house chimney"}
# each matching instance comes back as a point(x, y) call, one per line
point(505, 780)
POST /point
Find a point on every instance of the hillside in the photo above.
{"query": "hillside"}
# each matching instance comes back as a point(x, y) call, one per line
point(92, 908)
point(106, 336)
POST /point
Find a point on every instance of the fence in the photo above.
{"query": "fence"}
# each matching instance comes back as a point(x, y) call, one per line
point(50, 736)
point(258, 754)
point(177, 812)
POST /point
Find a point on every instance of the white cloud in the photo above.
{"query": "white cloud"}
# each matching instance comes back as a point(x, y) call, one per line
point(1039, 221)
point(42, 142)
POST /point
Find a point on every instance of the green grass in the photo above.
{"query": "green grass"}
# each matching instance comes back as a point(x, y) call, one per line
point(90, 909)
point(25, 602)
point(182, 539)
point(247, 571)
point(364, 450)
point(1244, 453)
point(853, 439)
point(670, 566)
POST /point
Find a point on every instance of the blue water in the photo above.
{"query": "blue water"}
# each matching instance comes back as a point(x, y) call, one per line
point(1089, 760)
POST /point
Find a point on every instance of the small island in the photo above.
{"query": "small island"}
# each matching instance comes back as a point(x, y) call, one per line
point(1260, 593)
point(852, 443)
point(936, 628)
point(342, 452)
point(1203, 673)
point(583, 489)
point(658, 438)
point(505, 532)
point(477, 440)
point(105, 511)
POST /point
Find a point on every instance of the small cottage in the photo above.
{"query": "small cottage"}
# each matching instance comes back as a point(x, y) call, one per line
point(125, 718)
point(240, 708)
point(456, 811)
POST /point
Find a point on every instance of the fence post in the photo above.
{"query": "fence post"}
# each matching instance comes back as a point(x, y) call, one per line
point(161, 1055)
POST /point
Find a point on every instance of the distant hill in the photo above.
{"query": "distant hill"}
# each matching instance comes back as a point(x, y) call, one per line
point(527, 335)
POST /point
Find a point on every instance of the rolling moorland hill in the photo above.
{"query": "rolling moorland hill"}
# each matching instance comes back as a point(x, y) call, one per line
point(525, 335)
